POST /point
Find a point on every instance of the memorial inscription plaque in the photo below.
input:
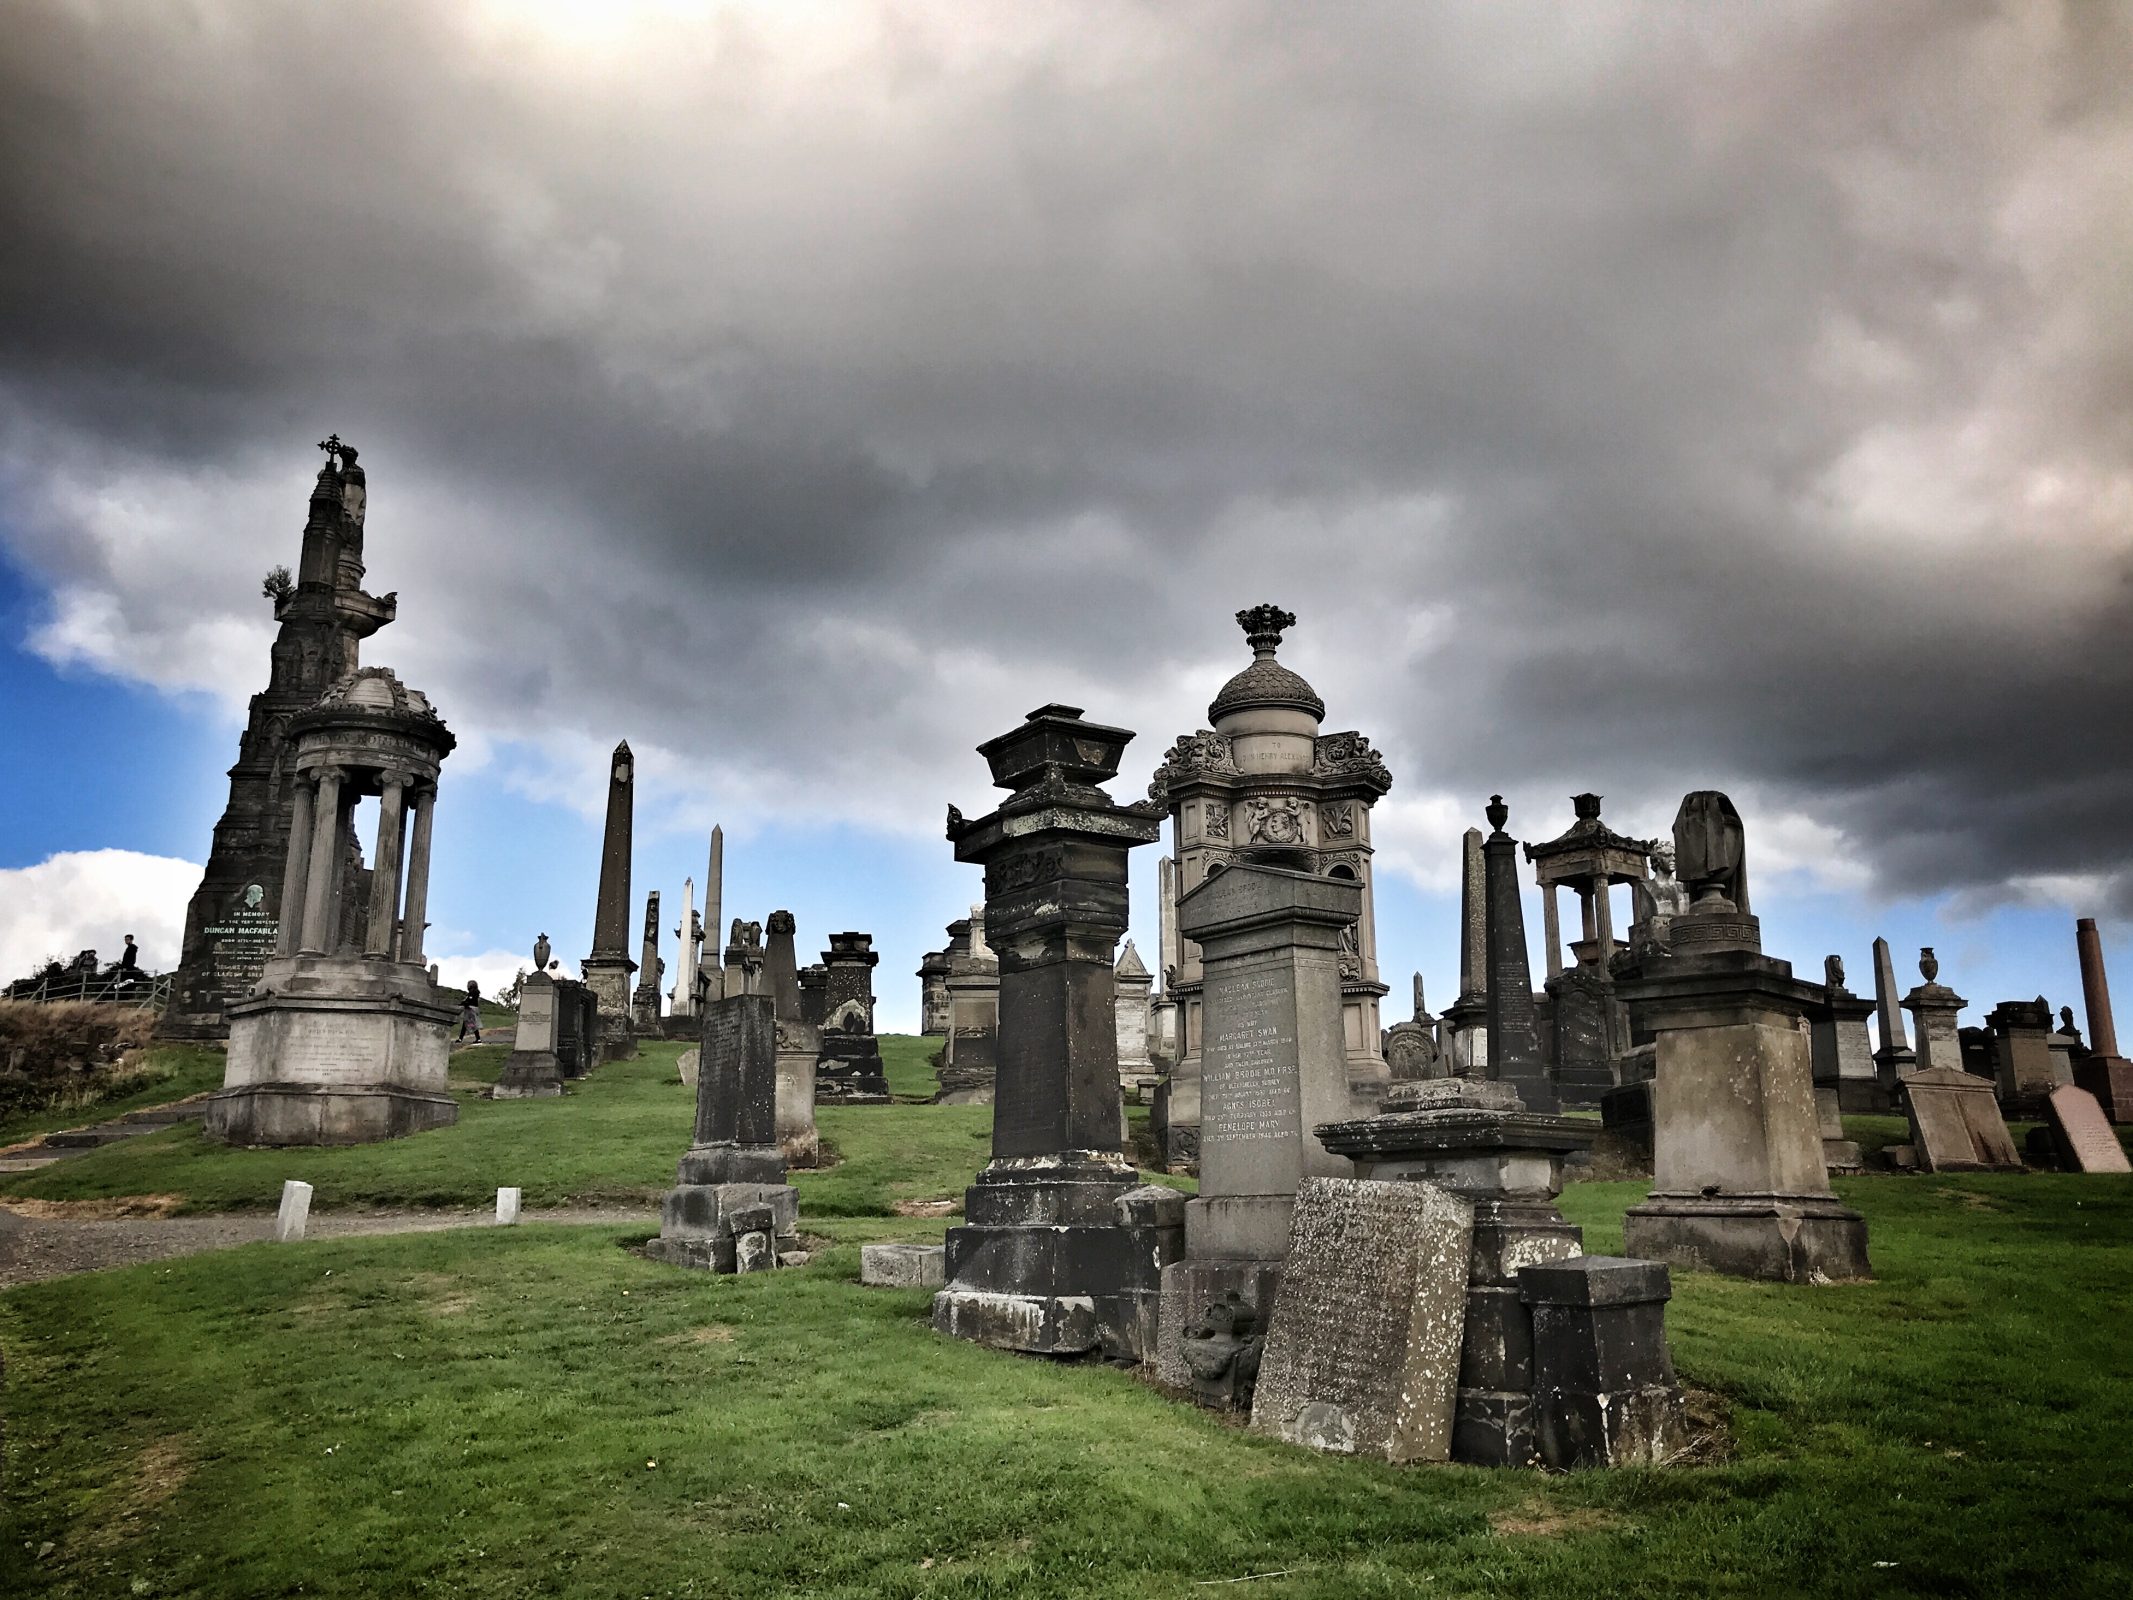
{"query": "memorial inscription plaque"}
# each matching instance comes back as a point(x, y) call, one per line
point(1362, 1352)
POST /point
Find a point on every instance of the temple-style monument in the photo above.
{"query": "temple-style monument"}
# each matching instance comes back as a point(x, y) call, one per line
point(324, 614)
point(1265, 786)
point(345, 1038)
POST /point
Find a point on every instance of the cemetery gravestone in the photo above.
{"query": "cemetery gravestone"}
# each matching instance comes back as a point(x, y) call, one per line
point(1604, 1393)
point(2082, 1133)
point(1362, 1349)
point(534, 1069)
point(1956, 1124)
point(295, 1211)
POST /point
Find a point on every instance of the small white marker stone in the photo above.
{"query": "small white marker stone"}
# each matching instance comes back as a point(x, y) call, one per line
point(506, 1207)
point(295, 1211)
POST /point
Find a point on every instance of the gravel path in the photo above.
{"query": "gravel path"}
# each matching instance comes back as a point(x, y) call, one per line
point(33, 1247)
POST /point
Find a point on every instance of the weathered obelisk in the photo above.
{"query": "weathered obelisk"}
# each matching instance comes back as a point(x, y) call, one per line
point(688, 935)
point(1466, 1019)
point(712, 982)
point(1514, 1029)
point(608, 967)
point(644, 1004)
point(1894, 1057)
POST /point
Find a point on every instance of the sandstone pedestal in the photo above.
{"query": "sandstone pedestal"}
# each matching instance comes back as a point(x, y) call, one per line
point(533, 1070)
point(1738, 1179)
point(1274, 1065)
point(1061, 1251)
point(1474, 1139)
point(2022, 1055)
point(1843, 1054)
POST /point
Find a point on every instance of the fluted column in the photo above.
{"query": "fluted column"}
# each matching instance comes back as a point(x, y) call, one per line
point(385, 880)
point(325, 856)
point(1552, 929)
point(1603, 919)
point(416, 916)
point(298, 868)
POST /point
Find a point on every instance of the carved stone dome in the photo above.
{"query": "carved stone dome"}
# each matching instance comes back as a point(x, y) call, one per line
point(375, 689)
point(1266, 683)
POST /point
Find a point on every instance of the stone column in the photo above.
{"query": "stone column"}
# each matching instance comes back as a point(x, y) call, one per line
point(1603, 920)
point(385, 879)
point(289, 933)
point(1057, 1255)
point(2105, 1074)
point(1466, 1019)
point(1514, 1030)
point(1893, 1058)
point(1552, 930)
point(644, 1004)
point(414, 918)
point(1934, 1008)
point(318, 936)
point(607, 966)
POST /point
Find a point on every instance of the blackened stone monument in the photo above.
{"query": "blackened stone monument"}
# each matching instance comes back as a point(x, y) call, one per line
point(1515, 1055)
point(1739, 1183)
point(1893, 1055)
point(344, 1040)
point(644, 1000)
point(1055, 1257)
point(323, 616)
point(607, 969)
point(1604, 1392)
point(733, 1170)
point(1588, 1026)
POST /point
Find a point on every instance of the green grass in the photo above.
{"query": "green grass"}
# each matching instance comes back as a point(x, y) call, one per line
point(168, 1072)
point(907, 1061)
point(614, 1138)
point(479, 1414)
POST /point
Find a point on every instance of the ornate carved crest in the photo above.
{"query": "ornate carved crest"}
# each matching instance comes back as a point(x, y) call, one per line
point(1337, 821)
point(1020, 872)
point(1278, 821)
point(1215, 819)
point(1205, 753)
point(1349, 755)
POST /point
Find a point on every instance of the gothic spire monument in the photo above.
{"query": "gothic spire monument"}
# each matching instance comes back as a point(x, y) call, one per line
point(1265, 786)
point(324, 616)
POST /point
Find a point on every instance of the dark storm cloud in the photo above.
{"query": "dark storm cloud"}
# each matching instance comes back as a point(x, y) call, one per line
point(1641, 397)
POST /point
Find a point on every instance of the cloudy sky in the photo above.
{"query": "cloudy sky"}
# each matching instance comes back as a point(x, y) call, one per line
point(1625, 397)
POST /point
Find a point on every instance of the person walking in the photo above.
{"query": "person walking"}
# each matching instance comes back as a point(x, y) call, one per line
point(470, 1013)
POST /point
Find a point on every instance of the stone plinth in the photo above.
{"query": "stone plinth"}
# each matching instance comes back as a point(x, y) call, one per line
point(1956, 1124)
point(799, 1048)
point(1362, 1350)
point(1055, 1256)
point(1934, 1008)
point(533, 1070)
point(1473, 1139)
point(1514, 1049)
point(1738, 1179)
point(2021, 1055)
point(1843, 1054)
point(335, 1050)
point(1274, 1064)
point(903, 1266)
point(1132, 983)
point(733, 1171)
point(1604, 1393)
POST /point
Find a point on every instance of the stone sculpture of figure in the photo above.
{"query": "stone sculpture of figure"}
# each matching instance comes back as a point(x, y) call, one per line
point(540, 953)
point(1833, 972)
point(1710, 851)
point(2066, 1022)
point(1658, 900)
point(1222, 1352)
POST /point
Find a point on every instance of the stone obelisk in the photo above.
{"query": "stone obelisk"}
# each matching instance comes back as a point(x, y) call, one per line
point(713, 980)
point(1466, 1020)
point(688, 935)
point(2106, 1074)
point(1514, 1028)
point(608, 966)
point(644, 1003)
point(1895, 1057)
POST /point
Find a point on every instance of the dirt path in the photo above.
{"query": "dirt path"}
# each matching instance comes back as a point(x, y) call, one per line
point(46, 1240)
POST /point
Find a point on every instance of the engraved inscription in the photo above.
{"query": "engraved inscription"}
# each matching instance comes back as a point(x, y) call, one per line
point(1249, 1088)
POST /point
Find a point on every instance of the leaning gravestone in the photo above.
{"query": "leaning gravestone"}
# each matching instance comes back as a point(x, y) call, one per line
point(1362, 1352)
point(2082, 1132)
point(295, 1211)
point(687, 1064)
point(1956, 1124)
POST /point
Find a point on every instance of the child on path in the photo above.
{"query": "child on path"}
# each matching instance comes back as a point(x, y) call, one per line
point(470, 1013)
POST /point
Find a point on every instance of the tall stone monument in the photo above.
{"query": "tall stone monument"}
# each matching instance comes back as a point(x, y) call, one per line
point(323, 616)
point(1466, 1019)
point(534, 1069)
point(1843, 1054)
point(2022, 1055)
point(733, 1171)
point(344, 1039)
point(970, 1059)
point(1131, 981)
point(644, 1002)
point(710, 976)
point(1739, 1184)
point(688, 952)
point(1163, 1008)
point(799, 1044)
point(1589, 1028)
point(2105, 1074)
point(606, 970)
point(1893, 1056)
point(1515, 1055)
point(1934, 1008)
point(1060, 1253)
point(1264, 785)
point(1274, 1066)
point(933, 993)
point(849, 1068)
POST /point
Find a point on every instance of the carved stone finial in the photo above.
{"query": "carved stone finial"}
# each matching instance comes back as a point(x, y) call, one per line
point(1498, 813)
point(1263, 627)
point(1587, 807)
point(1928, 964)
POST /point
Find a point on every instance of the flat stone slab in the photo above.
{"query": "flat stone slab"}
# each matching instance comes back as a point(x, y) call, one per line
point(1362, 1351)
point(2082, 1132)
point(903, 1266)
point(1956, 1124)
